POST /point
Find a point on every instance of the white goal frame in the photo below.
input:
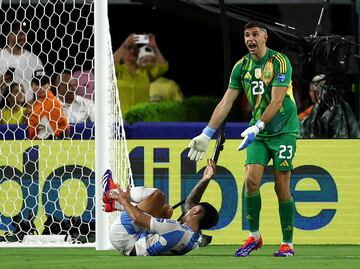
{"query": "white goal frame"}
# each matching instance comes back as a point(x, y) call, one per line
point(102, 130)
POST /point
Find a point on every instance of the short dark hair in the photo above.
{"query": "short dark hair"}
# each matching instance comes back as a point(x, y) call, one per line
point(252, 24)
point(210, 217)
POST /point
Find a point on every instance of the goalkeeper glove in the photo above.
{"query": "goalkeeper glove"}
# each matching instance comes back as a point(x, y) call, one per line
point(250, 133)
point(199, 145)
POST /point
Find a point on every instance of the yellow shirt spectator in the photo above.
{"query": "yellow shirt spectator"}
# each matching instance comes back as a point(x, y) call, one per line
point(135, 89)
point(9, 116)
point(164, 89)
point(14, 112)
point(133, 79)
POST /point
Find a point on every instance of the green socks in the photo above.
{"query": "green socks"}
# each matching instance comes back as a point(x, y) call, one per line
point(253, 206)
point(287, 214)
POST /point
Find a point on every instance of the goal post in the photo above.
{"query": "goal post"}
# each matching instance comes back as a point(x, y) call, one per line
point(102, 130)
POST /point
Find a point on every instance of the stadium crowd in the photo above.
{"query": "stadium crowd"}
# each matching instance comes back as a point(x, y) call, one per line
point(49, 104)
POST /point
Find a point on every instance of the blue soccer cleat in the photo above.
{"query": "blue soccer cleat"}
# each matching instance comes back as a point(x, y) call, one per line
point(250, 244)
point(284, 251)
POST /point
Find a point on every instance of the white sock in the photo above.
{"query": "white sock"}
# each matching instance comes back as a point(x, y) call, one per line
point(137, 194)
point(289, 244)
point(255, 234)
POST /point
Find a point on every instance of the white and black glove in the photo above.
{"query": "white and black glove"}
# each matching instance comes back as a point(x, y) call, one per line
point(250, 133)
point(199, 145)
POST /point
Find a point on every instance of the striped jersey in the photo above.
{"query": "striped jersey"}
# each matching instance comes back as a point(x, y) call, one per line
point(165, 237)
point(256, 79)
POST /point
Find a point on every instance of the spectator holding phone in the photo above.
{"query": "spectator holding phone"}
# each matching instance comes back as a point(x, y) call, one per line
point(133, 80)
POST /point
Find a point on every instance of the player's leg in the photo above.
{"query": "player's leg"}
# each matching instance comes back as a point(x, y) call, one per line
point(257, 157)
point(149, 200)
point(284, 151)
point(254, 174)
point(155, 205)
point(286, 213)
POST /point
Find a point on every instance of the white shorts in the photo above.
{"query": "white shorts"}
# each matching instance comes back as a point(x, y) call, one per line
point(125, 236)
point(121, 239)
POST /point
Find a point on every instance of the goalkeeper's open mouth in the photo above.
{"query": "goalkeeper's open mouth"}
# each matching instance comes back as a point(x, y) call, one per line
point(252, 46)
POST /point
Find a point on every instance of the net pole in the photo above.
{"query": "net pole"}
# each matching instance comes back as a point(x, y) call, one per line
point(102, 119)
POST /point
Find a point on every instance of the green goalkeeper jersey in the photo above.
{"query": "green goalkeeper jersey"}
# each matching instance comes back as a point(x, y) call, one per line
point(256, 79)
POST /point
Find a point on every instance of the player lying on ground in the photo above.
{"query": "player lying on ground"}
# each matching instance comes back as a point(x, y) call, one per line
point(144, 227)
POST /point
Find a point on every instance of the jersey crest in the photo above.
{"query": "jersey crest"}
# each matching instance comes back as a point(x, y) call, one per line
point(257, 73)
point(268, 72)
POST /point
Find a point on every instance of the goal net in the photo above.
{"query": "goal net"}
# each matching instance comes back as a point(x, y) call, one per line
point(50, 162)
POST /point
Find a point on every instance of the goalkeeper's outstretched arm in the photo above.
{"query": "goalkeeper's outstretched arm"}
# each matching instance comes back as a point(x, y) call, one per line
point(199, 144)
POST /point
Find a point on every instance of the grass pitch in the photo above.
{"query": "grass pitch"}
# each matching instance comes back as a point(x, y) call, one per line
point(212, 257)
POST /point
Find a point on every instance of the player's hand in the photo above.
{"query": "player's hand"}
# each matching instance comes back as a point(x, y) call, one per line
point(119, 194)
point(250, 133)
point(210, 169)
point(198, 146)
point(152, 41)
point(129, 41)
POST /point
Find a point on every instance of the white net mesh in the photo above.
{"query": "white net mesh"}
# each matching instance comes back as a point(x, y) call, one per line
point(120, 162)
point(47, 147)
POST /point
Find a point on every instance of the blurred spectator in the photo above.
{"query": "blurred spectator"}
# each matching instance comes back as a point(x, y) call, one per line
point(47, 118)
point(76, 108)
point(162, 89)
point(316, 83)
point(5, 80)
point(14, 111)
point(15, 56)
point(85, 84)
point(331, 116)
point(133, 81)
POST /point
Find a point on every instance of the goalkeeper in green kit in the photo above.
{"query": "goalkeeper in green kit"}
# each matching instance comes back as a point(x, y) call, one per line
point(265, 77)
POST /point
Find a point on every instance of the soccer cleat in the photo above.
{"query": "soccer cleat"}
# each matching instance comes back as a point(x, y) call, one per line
point(109, 206)
point(108, 185)
point(250, 244)
point(284, 251)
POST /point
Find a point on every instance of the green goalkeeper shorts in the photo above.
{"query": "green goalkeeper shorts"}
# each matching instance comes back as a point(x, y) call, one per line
point(281, 149)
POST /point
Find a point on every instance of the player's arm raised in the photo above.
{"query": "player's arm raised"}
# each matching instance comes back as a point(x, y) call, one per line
point(198, 145)
point(195, 195)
